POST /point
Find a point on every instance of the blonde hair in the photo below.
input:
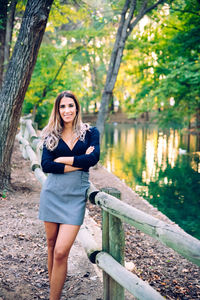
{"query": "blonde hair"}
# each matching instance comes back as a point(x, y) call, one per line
point(52, 132)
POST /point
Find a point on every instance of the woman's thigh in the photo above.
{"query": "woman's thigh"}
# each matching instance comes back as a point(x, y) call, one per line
point(52, 230)
point(66, 237)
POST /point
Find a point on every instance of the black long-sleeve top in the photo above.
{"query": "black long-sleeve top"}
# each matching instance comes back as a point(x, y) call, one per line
point(81, 160)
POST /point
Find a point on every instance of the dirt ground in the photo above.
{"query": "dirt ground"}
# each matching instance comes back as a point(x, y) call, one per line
point(23, 271)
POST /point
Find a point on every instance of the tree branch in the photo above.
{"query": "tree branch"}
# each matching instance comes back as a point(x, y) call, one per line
point(144, 11)
point(175, 28)
point(118, 37)
point(130, 15)
point(47, 87)
point(186, 11)
point(139, 16)
point(154, 6)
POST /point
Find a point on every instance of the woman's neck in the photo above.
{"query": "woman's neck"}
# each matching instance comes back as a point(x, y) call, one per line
point(68, 128)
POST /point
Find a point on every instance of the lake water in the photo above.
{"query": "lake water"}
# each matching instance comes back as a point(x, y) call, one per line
point(162, 166)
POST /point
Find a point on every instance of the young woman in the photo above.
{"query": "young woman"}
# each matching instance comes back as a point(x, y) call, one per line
point(70, 148)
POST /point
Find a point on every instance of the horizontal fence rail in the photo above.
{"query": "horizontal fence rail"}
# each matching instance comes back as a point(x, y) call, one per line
point(135, 285)
point(110, 255)
point(170, 235)
point(29, 140)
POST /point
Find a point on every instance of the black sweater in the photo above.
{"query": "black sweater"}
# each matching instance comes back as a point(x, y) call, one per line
point(81, 160)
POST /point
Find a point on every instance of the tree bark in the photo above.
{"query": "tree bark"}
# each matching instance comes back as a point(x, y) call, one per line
point(126, 26)
point(9, 30)
point(198, 117)
point(3, 18)
point(94, 79)
point(17, 79)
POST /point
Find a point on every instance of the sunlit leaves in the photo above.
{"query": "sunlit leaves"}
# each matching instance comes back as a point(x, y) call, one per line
point(62, 14)
point(83, 32)
point(165, 63)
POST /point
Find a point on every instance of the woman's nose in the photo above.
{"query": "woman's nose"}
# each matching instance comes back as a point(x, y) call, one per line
point(67, 109)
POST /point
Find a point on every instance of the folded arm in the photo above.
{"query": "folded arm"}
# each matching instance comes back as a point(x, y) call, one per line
point(56, 166)
point(86, 161)
point(64, 164)
point(90, 158)
point(49, 165)
point(69, 160)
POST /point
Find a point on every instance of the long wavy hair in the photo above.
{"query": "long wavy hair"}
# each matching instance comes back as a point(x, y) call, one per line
point(52, 132)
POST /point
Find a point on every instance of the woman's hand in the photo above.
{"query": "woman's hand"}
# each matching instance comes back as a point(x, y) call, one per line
point(70, 169)
point(89, 150)
point(58, 159)
point(68, 160)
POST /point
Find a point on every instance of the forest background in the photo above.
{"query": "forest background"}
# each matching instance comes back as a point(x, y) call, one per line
point(159, 75)
point(136, 56)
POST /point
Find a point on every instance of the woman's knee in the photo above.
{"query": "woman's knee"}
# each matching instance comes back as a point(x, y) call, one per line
point(51, 243)
point(61, 253)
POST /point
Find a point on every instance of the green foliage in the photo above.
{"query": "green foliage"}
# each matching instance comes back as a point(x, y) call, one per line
point(165, 64)
point(171, 118)
point(43, 89)
point(73, 57)
point(160, 63)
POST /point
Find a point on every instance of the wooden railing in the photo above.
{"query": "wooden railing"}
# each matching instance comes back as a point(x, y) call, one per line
point(29, 140)
point(110, 256)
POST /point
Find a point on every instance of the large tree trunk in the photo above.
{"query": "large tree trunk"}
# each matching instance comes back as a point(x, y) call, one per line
point(94, 80)
point(9, 30)
point(198, 117)
point(3, 18)
point(126, 25)
point(17, 79)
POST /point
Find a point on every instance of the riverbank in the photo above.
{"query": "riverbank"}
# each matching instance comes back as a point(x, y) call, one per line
point(118, 117)
point(23, 272)
point(122, 118)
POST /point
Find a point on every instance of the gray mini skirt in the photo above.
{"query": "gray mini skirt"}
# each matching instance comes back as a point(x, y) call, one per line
point(63, 198)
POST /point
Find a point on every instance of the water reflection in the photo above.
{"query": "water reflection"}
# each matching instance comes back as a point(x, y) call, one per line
point(162, 166)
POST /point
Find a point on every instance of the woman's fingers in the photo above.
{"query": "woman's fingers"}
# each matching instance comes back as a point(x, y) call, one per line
point(58, 159)
point(90, 150)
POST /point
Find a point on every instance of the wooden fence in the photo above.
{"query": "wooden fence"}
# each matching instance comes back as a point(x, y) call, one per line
point(110, 256)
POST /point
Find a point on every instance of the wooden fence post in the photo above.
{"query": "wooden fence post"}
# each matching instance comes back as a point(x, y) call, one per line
point(105, 247)
point(113, 243)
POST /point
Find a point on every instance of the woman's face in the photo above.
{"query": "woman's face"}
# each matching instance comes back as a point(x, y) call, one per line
point(67, 110)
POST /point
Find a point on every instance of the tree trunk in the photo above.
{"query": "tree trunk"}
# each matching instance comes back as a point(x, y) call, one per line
point(9, 30)
point(93, 74)
point(147, 116)
point(198, 118)
point(126, 26)
point(3, 18)
point(17, 79)
point(111, 105)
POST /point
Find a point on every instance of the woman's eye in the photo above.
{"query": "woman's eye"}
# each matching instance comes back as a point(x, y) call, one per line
point(64, 106)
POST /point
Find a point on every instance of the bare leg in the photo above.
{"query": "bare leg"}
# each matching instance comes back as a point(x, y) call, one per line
point(65, 239)
point(51, 234)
